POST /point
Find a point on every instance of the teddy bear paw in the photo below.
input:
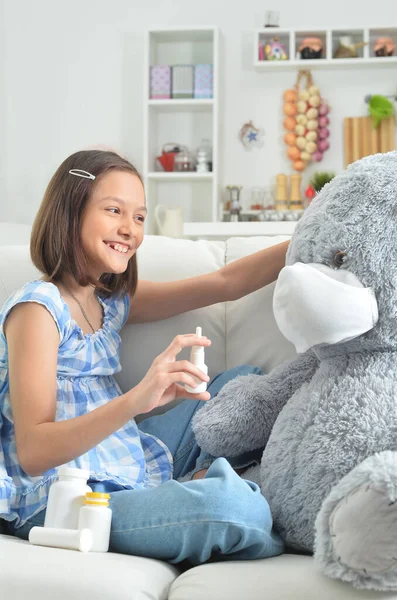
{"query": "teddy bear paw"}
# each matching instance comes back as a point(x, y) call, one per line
point(363, 528)
point(356, 528)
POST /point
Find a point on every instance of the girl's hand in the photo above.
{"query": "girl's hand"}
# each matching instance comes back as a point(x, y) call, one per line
point(161, 383)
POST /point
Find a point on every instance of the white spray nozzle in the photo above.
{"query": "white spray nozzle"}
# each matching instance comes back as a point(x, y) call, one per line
point(198, 331)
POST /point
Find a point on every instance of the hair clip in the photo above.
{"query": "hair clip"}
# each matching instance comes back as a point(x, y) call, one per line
point(81, 173)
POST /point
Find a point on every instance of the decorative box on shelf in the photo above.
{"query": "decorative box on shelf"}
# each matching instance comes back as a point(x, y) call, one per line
point(182, 81)
point(160, 82)
point(203, 77)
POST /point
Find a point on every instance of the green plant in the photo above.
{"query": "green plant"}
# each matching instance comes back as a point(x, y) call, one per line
point(380, 108)
point(320, 178)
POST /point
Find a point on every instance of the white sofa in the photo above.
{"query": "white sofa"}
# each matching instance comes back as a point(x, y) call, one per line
point(241, 332)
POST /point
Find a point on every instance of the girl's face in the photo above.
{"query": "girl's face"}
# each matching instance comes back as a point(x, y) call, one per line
point(112, 226)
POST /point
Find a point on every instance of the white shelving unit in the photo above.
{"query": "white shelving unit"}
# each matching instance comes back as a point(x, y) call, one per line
point(291, 38)
point(183, 121)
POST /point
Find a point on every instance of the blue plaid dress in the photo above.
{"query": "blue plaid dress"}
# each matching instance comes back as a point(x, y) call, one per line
point(85, 380)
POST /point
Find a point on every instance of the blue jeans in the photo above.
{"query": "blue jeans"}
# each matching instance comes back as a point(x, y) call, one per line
point(221, 516)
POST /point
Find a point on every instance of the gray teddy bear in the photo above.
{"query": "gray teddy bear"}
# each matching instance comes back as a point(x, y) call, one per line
point(327, 420)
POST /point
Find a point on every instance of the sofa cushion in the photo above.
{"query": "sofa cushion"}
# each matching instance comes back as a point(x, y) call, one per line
point(40, 573)
point(251, 331)
point(286, 577)
point(16, 269)
point(167, 259)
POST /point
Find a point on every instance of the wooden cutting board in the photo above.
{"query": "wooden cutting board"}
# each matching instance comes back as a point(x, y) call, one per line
point(362, 139)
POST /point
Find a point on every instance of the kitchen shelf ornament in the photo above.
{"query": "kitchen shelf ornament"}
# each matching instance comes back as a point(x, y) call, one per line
point(251, 136)
point(306, 122)
point(310, 48)
point(384, 46)
point(275, 50)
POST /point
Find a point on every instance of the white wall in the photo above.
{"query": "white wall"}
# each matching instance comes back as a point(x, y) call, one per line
point(2, 106)
point(71, 76)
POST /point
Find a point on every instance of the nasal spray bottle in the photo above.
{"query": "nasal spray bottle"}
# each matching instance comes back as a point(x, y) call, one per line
point(197, 359)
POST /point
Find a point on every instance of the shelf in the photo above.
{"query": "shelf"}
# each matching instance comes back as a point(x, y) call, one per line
point(179, 176)
point(181, 35)
point(222, 229)
point(193, 105)
point(327, 62)
point(330, 38)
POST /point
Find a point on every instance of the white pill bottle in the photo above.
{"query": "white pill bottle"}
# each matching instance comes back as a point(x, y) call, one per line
point(97, 516)
point(66, 497)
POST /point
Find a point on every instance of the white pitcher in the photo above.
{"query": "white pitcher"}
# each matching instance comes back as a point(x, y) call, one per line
point(169, 221)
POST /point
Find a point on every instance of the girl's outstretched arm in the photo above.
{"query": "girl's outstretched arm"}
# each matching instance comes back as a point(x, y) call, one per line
point(154, 301)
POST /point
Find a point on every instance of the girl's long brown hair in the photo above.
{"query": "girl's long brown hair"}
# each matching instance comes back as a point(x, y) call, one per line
point(55, 243)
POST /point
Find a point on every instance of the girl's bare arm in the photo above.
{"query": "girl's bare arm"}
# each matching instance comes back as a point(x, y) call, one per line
point(154, 301)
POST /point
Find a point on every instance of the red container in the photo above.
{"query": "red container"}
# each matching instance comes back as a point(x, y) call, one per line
point(167, 157)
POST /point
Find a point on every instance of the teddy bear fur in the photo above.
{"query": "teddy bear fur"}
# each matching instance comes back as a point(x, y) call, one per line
point(325, 414)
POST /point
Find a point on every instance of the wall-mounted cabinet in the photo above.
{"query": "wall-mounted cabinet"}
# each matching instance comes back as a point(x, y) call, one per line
point(335, 45)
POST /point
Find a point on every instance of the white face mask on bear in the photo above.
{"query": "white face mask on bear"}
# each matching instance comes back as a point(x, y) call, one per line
point(314, 304)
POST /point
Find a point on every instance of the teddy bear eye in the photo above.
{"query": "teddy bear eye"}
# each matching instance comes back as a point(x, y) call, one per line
point(339, 258)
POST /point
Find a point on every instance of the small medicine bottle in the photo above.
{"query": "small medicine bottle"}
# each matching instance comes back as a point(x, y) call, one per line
point(66, 497)
point(97, 516)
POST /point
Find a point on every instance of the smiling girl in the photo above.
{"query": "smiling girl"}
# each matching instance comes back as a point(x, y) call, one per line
point(60, 403)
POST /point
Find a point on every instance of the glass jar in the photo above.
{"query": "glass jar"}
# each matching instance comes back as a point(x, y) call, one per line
point(183, 160)
point(256, 201)
point(204, 157)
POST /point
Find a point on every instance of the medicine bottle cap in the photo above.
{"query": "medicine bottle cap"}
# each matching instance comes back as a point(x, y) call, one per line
point(97, 499)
